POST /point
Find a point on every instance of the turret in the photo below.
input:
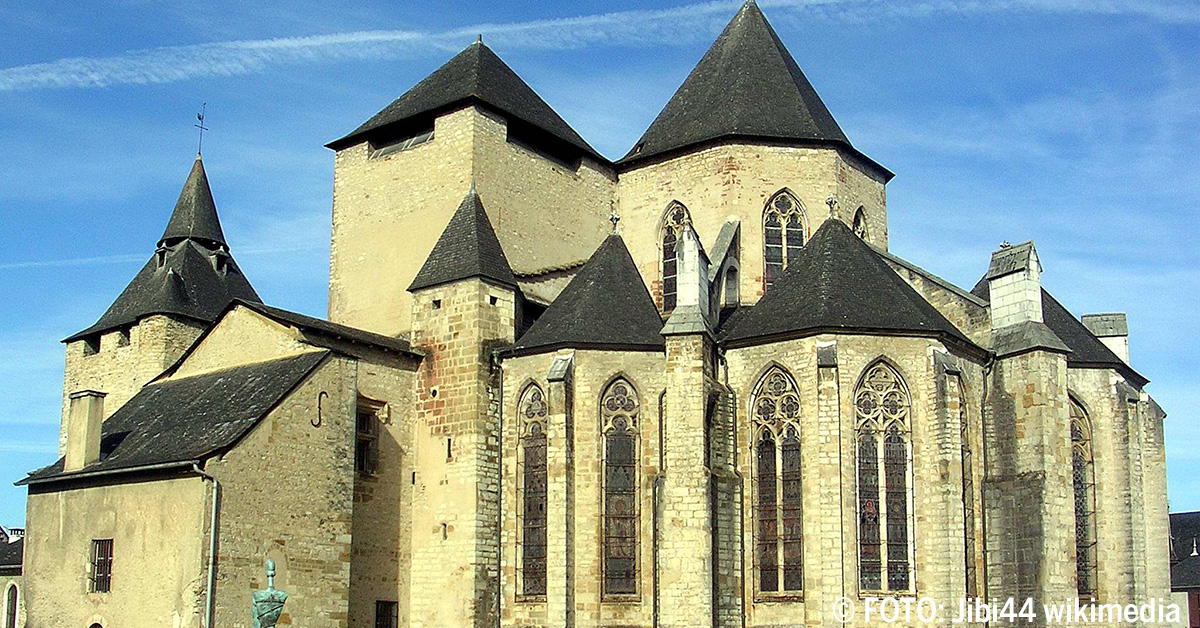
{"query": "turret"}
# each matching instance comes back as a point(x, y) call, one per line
point(187, 282)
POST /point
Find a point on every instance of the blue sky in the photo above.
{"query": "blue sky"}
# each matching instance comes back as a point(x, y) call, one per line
point(1070, 122)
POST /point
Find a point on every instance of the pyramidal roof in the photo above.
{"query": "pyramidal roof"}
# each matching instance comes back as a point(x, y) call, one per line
point(191, 275)
point(606, 305)
point(839, 283)
point(468, 247)
point(747, 84)
point(474, 75)
point(195, 214)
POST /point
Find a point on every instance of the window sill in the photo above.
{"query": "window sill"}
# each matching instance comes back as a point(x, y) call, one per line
point(778, 598)
point(531, 599)
point(621, 598)
point(907, 593)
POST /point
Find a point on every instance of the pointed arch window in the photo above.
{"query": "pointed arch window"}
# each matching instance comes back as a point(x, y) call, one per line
point(784, 233)
point(779, 534)
point(860, 223)
point(674, 220)
point(10, 607)
point(1084, 484)
point(968, 493)
point(882, 407)
point(619, 418)
point(533, 411)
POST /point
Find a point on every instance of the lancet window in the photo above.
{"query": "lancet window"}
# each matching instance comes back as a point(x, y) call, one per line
point(968, 494)
point(674, 220)
point(779, 534)
point(1084, 484)
point(532, 413)
point(784, 233)
point(619, 409)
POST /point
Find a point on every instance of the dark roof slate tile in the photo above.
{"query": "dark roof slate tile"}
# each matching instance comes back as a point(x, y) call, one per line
point(468, 247)
point(195, 214)
point(1185, 540)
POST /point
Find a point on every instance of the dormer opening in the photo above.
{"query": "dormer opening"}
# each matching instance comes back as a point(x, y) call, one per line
point(410, 138)
point(544, 145)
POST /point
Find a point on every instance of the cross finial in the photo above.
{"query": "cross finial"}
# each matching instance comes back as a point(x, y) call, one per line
point(1194, 553)
point(831, 202)
point(1006, 244)
point(200, 125)
point(614, 218)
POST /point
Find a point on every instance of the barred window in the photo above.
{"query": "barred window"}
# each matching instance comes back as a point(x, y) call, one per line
point(860, 223)
point(387, 614)
point(366, 441)
point(779, 535)
point(968, 494)
point(1084, 484)
point(674, 220)
point(882, 406)
point(533, 413)
point(784, 232)
point(619, 413)
point(102, 563)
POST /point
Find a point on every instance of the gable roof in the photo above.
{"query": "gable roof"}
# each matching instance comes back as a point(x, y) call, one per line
point(468, 247)
point(1087, 351)
point(1185, 538)
point(190, 418)
point(322, 327)
point(475, 75)
point(606, 305)
point(746, 85)
point(839, 283)
point(195, 213)
point(12, 554)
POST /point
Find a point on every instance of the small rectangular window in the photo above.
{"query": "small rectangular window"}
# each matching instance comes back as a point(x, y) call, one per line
point(102, 562)
point(437, 304)
point(366, 442)
point(387, 614)
point(403, 143)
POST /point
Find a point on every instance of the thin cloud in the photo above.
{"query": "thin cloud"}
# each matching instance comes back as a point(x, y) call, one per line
point(675, 26)
point(122, 259)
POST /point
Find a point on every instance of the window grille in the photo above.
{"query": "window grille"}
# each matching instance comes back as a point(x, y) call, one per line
point(784, 234)
point(533, 413)
point(674, 221)
point(779, 508)
point(1084, 484)
point(619, 411)
point(102, 564)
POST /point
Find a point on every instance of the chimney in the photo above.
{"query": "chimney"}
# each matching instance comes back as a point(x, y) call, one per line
point(1015, 286)
point(83, 429)
point(1112, 329)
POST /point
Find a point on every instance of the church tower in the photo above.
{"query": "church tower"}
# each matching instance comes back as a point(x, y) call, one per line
point(746, 139)
point(188, 281)
point(397, 177)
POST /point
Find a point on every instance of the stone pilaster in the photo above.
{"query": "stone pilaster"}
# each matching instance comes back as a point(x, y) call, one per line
point(560, 498)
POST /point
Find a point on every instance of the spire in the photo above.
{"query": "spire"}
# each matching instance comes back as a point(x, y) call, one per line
point(839, 283)
point(195, 214)
point(748, 85)
point(475, 75)
point(467, 248)
point(605, 306)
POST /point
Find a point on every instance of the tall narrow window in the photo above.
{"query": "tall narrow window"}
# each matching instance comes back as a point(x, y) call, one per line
point(784, 232)
point(619, 413)
point(10, 607)
point(366, 442)
point(533, 514)
point(860, 223)
point(674, 220)
point(882, 406)
point(1084, 481)
point(102, 563)
point(968, 494)
point(779, 534)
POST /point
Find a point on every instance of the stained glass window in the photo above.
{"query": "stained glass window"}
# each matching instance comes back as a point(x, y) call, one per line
point(1084, 481)
point(860, 223)
point(882, 406)
point(674, 220)
point(784, 232)
point(533, 412)
point(968, 494)
point(779, 533)
point(619, 411)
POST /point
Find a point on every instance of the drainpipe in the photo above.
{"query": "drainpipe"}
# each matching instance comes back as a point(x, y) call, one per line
point(212, 544)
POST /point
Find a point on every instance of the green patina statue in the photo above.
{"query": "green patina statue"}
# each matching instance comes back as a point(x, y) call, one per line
point(267, 605)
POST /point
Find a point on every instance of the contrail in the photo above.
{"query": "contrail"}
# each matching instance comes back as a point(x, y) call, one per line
point(677, 26)
point(124, 259)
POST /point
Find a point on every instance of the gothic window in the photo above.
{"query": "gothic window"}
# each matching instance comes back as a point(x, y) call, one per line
point(882, 407)
point(968, 494)
point(860, 223)
point(783, 234)
point(10, 607)
point(779, 535)
point(674, 220)
point(1084, 481)
point(533, 413)
point(619, 414)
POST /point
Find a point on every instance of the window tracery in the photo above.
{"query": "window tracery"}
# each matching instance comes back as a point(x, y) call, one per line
point(533, 411)
point(778, 509)
point(784, 233)
point(1084, 485)
point(882, 407)
point(619, 417)
point(674, 221)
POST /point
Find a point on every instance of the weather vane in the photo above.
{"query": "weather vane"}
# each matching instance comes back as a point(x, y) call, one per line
point(200, 125)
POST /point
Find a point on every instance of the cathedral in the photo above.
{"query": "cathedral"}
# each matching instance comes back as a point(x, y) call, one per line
point(688, 388)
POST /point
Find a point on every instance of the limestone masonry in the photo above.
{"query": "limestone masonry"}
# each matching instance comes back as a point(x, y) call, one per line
point(688, 388)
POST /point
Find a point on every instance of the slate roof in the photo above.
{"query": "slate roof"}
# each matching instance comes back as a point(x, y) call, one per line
point(1087, 351)
point(191, 418)
point(1185, 568)
point(606, 305)
point(195, 214)
point(475, 75)
point(747, 85)
point(838, 283)
point(326, 328)
point(468, 247)
point(186, 283)
point(11, 555)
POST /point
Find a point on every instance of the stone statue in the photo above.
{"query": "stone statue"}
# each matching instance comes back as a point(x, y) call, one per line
point(267, 605)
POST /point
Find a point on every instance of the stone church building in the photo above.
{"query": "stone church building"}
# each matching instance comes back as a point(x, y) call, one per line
point(687, 388)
